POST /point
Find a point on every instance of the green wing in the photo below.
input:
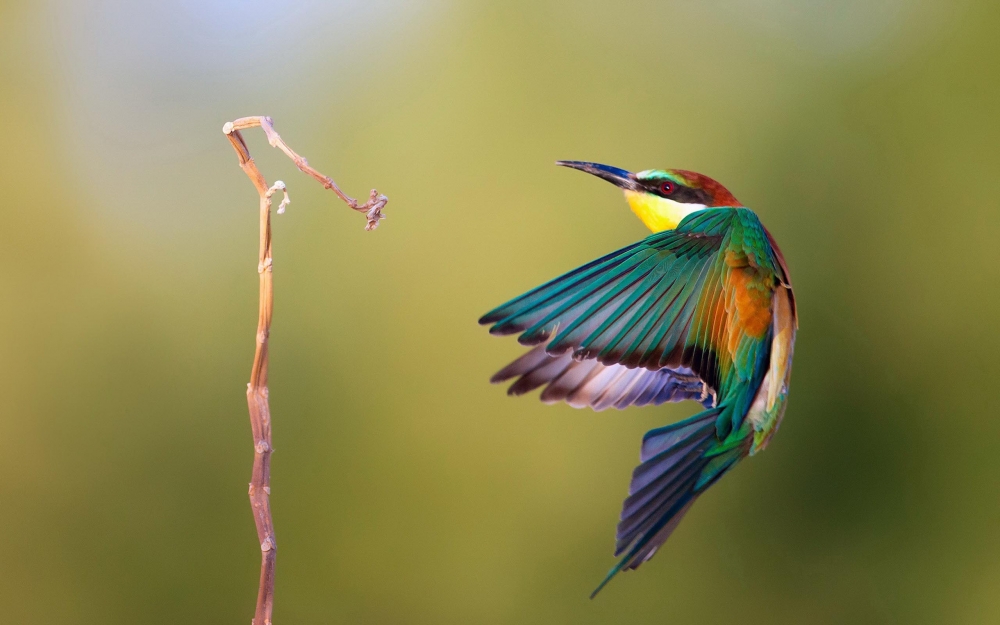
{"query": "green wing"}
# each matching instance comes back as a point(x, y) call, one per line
point(666, 302)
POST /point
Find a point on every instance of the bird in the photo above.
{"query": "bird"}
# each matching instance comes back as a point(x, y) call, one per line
point(702, 309)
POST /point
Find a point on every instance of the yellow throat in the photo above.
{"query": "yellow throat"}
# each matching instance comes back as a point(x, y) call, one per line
point(659, 213)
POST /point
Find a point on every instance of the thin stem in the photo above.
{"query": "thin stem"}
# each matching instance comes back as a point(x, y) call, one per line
point(372, 208)
point(257, 392)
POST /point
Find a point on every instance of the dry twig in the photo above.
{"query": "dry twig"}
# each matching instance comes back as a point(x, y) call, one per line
point(260, 413)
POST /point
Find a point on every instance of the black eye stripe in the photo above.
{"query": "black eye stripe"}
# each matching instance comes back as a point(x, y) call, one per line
point(679, 193)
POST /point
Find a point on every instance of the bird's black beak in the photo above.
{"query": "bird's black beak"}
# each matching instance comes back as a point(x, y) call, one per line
point(617, 177)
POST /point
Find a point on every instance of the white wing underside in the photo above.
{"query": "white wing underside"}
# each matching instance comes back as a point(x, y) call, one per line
point(588, 383)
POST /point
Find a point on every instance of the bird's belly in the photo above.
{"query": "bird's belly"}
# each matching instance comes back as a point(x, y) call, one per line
point(758, 413)
point(768, 405)
point(765, 421)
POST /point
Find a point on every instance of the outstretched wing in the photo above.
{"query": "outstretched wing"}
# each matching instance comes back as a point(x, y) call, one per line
point(692, 299)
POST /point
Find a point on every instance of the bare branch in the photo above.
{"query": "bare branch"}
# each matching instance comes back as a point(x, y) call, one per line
point(257, 392)
point(372, 208)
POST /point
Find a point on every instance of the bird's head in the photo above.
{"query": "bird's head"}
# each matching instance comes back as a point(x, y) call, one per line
point(661, 198)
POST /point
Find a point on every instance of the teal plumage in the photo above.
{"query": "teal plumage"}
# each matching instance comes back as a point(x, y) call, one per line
point(703, 311)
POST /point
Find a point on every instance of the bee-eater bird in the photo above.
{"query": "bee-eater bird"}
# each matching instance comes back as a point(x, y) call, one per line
point(701, 309)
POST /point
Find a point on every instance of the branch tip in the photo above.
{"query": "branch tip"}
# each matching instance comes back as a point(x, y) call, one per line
point(285, 201)
point(372, 208)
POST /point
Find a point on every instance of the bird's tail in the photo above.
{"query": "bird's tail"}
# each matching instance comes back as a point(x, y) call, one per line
point(679, 462)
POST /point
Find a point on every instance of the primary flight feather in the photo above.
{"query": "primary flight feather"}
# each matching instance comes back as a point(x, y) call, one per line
point(702, 309)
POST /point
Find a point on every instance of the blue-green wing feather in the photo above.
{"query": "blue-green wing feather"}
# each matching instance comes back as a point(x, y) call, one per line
point(638, 299)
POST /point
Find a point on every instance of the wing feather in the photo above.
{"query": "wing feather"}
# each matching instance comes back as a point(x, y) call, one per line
point(667, 302)
point(588, 383)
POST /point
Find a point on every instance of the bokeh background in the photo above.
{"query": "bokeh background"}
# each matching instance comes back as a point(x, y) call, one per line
point(406, 489)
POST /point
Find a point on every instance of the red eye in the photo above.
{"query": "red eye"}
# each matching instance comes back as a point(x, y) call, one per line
point(666, 188)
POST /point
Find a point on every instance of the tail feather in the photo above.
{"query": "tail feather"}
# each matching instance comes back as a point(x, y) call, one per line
point(647, 474)
point(648, 506)
point(645, 550)
point(661, 536)
point(660, 440)
point(679, 462)
point(673, 460)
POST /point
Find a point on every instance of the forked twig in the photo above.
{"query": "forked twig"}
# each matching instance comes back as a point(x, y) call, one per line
point(260, 413)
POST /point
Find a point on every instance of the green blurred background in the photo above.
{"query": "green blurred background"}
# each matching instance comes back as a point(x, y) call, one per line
point(406, 489)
